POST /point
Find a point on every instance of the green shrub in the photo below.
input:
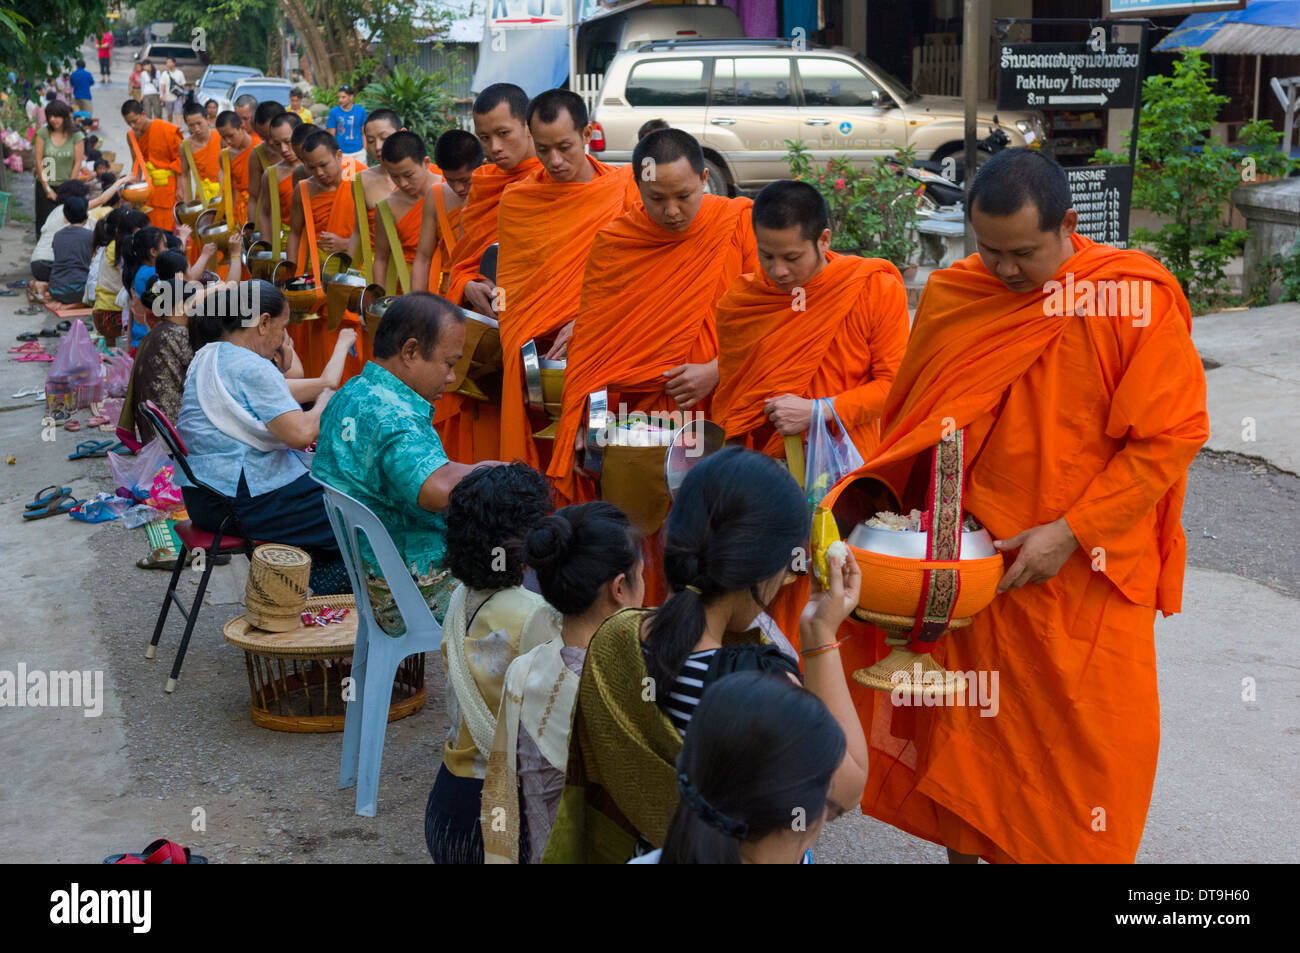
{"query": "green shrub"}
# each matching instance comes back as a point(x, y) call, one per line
point(872, 210)
point(1186, 174)
point(423, 100)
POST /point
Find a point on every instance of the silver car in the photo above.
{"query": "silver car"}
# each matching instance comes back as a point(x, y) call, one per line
point(743, 99)
point(218, 78)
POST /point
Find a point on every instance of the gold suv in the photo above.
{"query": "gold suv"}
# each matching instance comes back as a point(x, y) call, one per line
point(744, 98)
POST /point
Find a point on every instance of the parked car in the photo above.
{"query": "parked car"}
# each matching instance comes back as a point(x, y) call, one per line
point(262, 88)
point(218, 78)
point(191, 62)
point(743, 99)
point(601, 37)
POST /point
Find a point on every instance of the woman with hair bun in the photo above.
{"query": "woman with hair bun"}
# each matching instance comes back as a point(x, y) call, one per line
point(588, 564)
point(738, 524)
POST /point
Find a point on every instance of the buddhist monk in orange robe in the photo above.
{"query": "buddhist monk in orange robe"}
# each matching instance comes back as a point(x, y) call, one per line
point(206, 149)
point(405, 160)
point(238, 145)
point(457, 154)
point(546, 225)
point(265, 155)
point(1082, 409)
point(277, 181)
point(327, 197)
point(809, 323)
point(645, 329)
point(159, 158)
point(469, 428)
point(346, 236)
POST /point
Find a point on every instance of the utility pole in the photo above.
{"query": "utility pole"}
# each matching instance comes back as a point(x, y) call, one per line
point(970, 75)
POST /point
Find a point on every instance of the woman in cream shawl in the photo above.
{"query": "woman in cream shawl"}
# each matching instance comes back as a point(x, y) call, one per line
point(588, 564)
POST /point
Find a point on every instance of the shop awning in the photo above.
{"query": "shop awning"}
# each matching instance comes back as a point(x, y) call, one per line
point(536, 59)
point(1263, 28)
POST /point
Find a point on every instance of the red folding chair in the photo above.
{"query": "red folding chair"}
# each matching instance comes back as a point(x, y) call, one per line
point(230, 537)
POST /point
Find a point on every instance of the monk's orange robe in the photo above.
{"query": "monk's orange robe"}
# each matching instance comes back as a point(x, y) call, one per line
point(479, 222)
point(408, 230)
point(450, 230)
point(239, 180)
point(470, 429)
point(161, 146)
point(649, 298)
point(545, 231)
point(311, 339)
point(842, 337)
point(208, 159)
point(1092, 417)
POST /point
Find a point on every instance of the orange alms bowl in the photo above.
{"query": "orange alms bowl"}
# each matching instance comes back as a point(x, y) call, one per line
point(892, 584)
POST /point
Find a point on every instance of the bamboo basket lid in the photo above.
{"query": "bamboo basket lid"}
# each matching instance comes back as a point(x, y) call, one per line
point(277, 587)
point(302, 641)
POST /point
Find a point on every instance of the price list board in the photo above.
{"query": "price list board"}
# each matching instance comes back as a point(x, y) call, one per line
point(1101, 197)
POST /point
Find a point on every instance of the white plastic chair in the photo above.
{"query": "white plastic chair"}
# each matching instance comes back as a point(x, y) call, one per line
point(377, 654)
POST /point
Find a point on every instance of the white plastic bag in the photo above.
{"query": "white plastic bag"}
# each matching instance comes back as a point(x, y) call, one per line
point(136, 473)
point(92, 276)
point(831, 454)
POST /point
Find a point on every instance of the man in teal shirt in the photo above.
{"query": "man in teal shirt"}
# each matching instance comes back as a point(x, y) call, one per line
point(377, 444)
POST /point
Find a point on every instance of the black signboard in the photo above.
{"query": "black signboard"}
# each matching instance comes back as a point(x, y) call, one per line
point(1101, 197)
point(1098, 75)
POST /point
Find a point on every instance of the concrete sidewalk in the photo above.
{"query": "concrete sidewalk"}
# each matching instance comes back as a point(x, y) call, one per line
point(1254, 391)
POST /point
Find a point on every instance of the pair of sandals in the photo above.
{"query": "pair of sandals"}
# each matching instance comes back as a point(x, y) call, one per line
point(97, 448)
point(53, 500)
point(31, 352)
point(61, 328)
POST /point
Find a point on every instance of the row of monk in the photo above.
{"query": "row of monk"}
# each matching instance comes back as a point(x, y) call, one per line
point(1077, 433)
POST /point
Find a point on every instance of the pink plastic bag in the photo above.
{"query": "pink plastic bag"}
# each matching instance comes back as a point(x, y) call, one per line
point(117, 368)
point(164, 494)
point(76, 377)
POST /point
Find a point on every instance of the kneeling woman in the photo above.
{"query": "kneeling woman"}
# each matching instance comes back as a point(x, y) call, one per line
point(737, 523)
point(241, 426)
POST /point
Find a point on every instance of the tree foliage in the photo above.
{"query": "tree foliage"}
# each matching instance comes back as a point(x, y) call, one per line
point(37, 36)
point(1186, 174)
point(242, 32)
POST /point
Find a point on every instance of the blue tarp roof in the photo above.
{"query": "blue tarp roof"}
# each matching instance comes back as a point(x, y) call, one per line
point(1264, 27)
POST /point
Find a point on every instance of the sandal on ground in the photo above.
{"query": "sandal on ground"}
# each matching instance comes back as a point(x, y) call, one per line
point(63, 326)
point(161, 851)
point(20, 283)
point(46, 494)
point(56, 507)
point(97, 421)
point(30, 309)
point(29, 392)
point(26, 348)
point(91, 448)
point(33, 357)
point(48, 332)
point(26, 336)
point(72, 426)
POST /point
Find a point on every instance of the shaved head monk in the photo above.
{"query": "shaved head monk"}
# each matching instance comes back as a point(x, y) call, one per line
point(329, 174)
point(375, 185)
point(808, 324)
point(1078, 415)
point(238, 145)
point(501, 124)
point(546, 225)
point(277, 181)
point(399, 215)
point(206, 149)
point(645, 329)
point(260, 123)
point(457, 154)
point(157, 150)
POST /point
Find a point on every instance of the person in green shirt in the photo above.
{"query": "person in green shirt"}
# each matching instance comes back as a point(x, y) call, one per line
point(377, 444)
point(60, 150)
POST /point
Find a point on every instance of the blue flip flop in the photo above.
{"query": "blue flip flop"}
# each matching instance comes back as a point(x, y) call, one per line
point(43, 499)
point(56, 507)
point(91, 448)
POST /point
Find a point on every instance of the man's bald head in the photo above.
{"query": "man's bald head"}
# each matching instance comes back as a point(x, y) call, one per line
point(670, 175)
point(550, 106)
point(1014, 178)
point(496, 94)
